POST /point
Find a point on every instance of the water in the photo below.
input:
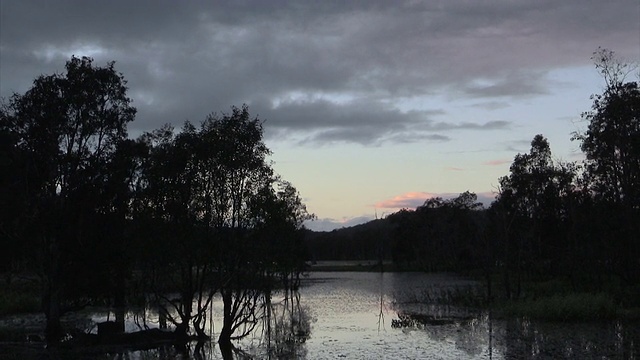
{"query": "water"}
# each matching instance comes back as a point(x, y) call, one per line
point(362, 315)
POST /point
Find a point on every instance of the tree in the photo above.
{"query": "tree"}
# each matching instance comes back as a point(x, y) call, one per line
point(228, 223)
point(67, 126)
point(241, 183)
point(612, 140)
point(531, 204)
point(612, 167)
point(440, 235)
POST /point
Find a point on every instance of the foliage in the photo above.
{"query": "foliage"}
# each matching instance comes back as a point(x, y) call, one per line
point(612, 144)
point(441, 235)
point(65, 127)
point(102, 216)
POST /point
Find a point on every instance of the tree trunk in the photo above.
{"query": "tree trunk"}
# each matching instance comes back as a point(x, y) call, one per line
point(182, 330)
point(53, 329)
point(119, 301)
point(52, 294)
point(227, 322)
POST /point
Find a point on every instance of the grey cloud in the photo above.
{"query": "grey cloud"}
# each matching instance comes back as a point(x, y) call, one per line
point(511, 85)
point(490, 125)
point(491, 105)
point(185, 61)
point(364, 122)
point(517, 146)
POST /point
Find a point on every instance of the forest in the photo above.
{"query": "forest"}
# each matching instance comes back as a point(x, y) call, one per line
point(97, 217)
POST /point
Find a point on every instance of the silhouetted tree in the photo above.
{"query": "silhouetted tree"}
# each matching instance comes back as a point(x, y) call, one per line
point(440, 235)
point(612, 170)
point(612, 140)
point(242, 183)
point(222, 221)
point(532, 206)
point(67, 126)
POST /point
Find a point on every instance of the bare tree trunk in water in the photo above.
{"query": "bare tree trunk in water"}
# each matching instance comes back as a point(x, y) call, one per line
point(227, 322)
point(51, 303)
point(182, 330)
point(226, 350)
point(119, 300)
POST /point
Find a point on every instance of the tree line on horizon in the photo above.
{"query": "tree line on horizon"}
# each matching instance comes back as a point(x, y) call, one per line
point(578, 222)
point(105, 219)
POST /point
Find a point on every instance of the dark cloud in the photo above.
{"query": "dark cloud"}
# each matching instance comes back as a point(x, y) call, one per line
point(322, 71)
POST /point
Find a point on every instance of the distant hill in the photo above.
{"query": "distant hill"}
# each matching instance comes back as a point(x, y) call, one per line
point(361, 242)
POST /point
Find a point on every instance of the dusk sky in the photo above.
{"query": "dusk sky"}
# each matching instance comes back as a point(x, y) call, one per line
point(369, 106)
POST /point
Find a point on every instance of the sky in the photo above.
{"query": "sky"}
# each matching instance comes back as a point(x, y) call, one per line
point(368, 106)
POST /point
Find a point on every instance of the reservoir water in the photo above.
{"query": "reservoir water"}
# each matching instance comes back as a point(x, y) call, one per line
point(368, 315)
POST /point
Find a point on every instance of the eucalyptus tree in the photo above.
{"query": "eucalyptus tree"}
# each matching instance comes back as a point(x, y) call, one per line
point(174, 255)
point(241, 186)
point(612, 140)
point(67, 126)
point(611, 144)
point(223, 221)
point(532, 211)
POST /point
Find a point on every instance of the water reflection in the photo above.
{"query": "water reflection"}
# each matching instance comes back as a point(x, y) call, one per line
point(373, 315)
point(349, 311)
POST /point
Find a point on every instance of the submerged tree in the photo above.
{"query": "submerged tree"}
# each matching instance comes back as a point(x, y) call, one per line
point(224, 222)
point(67, 127)
point(242, 203)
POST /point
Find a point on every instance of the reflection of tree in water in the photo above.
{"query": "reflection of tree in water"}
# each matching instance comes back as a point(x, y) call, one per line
point(521, 338)
point(287, 327)
point(431, 311)
point(282, 333)
point(470, 334)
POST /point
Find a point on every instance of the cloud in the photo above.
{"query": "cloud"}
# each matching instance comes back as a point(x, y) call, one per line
point(362, 121)
point(348, 63)
point(409, 200)
point(328, 224)
point(510, 85)
point(497, 162)
point(517, 146)
point(412, 200)
point(491, 105)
